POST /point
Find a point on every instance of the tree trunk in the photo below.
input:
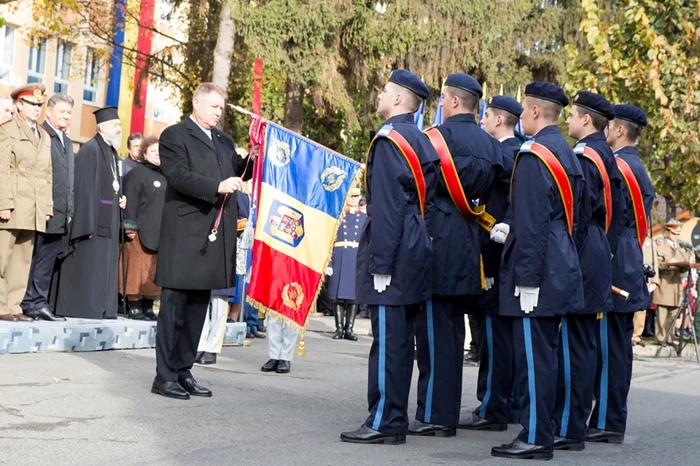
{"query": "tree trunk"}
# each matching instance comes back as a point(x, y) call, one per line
point(293, 106)
point(223, 52)
point(670, 208)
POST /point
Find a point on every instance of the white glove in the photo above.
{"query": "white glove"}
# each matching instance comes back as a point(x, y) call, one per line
point(329, 271)
point(381, 282)
point(652, 287)
point(489, 283)
point(499, 232)
point(528, 297)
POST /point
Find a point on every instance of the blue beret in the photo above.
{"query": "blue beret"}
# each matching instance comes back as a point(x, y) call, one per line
point(465, 82)
point(631, 113)
point(595, 103)
point(410, 81)
point(507, 103)
point(547, 91)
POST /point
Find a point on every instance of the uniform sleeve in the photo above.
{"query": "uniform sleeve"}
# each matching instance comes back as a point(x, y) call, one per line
point(175, 167)
point(389, 201)
point(531, 205)
point(7, 201)
point(662, 256)
point(591, 190)
point(476, 175)
point(132, 191)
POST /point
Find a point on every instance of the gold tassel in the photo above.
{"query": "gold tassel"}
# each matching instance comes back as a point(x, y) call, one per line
point(302, 345)
point(481, 272)
point(261, 314)
point(599, 316)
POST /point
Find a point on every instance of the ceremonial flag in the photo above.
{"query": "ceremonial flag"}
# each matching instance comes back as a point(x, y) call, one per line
point(437, 119)
point(419, 116)
point(301, 196)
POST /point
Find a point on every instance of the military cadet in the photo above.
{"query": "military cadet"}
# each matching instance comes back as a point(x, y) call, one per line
point(589, 117)
point(341, 270)
point(26, 196)
point(394, 257)
point(469, 159)
point(614, 330)
point(496, 376)
point(540, 272)
point(668, 296)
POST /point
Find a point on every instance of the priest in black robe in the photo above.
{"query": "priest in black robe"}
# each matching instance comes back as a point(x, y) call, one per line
point(88, 275)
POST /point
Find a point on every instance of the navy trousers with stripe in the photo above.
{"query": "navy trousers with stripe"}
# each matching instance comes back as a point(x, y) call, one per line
point(496, 370)
point(390, 367)
point(614, 372)
point(440, 335)
point(577, 368)
point(535, 343)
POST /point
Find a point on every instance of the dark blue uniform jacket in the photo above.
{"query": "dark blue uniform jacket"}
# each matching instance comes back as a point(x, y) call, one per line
point(341, 285)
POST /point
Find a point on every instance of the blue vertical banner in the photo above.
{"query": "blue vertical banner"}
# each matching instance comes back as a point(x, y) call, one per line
point(115, 60)
point(438, 118)
point(419, 116)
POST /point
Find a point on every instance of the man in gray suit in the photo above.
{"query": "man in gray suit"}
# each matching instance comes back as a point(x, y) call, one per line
point(58, 114)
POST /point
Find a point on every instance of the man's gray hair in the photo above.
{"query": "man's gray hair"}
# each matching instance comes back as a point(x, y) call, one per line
point(60, 97)
point(207, 88)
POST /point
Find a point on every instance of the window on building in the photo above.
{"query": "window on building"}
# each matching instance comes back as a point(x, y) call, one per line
point(7, 46)
point(37, 63)
point(64, 53)
point(167, 8)
point(92, 76)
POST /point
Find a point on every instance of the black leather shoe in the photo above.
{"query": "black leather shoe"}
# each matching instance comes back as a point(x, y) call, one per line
point(249, 335)
point(270, 365)
point(147, 309)
point(521, 450)
point(193, 387)
point(421, 428)
point(477, 423)
point(257, 334)
point(262, 329)
point(283, 367)
point(135, 311)
point(604, 436)
point(366, 435)
point(207, 358)
point(44, 313)
point(471, 358)
point(169, 389)
point(571, 444)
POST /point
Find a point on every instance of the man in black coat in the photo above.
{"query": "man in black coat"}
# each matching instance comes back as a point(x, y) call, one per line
point(46, 247)
point(198, 236)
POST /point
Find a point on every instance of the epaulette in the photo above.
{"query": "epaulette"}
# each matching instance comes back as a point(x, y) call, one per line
point(578, 149)
point(386, 129)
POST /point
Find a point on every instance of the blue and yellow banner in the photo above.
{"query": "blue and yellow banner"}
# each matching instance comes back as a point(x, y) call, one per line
point(303, 188)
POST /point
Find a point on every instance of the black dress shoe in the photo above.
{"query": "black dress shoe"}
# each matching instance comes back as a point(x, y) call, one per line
point(257, 334)
point(193, 387)
point(521, 450)
point(270, 365)
point(207, 358)
point(366, 435)
point(571, 444)
point(471, 358)
point(477, 423)
point(262, 329)
point(44, 313)
point(421, 428)
point(169, 389)
point(249, 335)
point(283, 367)
point(605, 436)
point(147, 309)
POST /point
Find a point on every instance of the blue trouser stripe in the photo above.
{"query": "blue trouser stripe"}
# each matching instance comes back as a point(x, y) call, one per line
point(602, 411)
point(567, 377)
point(489, 375)
point(532, 427)
point(431, 352)
point(382, 364)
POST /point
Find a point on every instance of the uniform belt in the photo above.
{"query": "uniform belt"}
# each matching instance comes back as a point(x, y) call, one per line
point(346, 244)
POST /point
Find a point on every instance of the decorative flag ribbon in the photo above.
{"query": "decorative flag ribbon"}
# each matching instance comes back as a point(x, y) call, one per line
point(640, 216)
point(411, 157)
point(593, 156)
point(454, 187)
point(302, 188)
point(558, 173)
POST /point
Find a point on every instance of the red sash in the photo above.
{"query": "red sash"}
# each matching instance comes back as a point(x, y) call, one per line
point(558, 173)
point(454, 187)
point(594, 157)
point(640, 217)
point(411, 159)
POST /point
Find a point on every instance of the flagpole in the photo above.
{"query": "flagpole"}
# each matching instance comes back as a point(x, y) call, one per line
point(242, 111)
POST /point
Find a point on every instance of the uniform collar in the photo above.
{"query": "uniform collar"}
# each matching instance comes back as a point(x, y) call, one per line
point(463, 117)
point(597, 136)
point(627, 150)
point(551, 129)
point(403, 118)
point(506, 138)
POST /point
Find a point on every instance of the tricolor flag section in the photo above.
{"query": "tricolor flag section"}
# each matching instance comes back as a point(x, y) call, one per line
point(302, 193)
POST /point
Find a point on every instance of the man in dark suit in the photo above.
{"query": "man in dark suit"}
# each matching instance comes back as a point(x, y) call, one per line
point(198, 236)
point(35, 303)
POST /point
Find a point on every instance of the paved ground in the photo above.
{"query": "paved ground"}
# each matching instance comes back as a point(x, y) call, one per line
point(96, 409)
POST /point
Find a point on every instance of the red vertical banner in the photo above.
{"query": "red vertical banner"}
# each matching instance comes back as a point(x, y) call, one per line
point(143, 47)
point(257, 85)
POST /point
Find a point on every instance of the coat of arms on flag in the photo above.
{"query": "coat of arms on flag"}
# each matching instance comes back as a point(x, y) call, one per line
point(301, 194)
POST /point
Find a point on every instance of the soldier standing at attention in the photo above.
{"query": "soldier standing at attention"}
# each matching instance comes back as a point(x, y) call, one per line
point(394, 258)
point(540, 273)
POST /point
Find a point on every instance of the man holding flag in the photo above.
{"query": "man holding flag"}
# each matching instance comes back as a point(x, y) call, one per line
point(469, 161)
point(394, 258)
